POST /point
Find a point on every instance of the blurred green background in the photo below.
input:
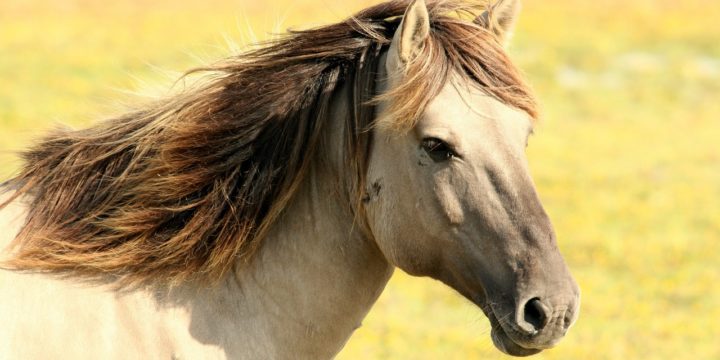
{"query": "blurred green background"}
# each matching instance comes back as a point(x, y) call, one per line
point(626, 158)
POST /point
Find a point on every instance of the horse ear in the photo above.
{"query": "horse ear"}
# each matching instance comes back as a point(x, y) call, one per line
point(410, 36)
point(500, 18)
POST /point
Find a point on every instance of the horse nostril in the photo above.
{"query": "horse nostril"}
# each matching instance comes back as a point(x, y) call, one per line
point(567, 320)
point(534, 314)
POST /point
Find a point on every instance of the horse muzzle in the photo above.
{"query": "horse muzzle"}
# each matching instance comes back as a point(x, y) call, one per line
point(533, 326)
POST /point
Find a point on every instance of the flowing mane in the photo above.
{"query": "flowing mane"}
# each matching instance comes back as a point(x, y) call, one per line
point(189, 186)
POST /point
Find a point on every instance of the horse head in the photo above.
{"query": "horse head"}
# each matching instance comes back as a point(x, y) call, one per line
point(454, 197)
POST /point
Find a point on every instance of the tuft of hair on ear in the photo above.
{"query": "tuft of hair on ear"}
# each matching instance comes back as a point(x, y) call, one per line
point(500, 18)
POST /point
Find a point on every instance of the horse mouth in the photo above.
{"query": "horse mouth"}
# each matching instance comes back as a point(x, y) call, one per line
point(504, 342)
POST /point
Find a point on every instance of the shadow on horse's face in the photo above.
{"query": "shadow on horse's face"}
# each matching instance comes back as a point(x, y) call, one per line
point(453, 199)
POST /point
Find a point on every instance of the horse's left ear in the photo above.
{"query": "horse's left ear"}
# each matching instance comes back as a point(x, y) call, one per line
point(500, 18)
point(410, 36)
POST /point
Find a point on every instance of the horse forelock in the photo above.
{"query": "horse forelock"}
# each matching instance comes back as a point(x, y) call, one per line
point(189, 186)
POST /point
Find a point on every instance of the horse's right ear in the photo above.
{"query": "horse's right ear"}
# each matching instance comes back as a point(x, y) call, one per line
point(500, 18)
point(410, 36)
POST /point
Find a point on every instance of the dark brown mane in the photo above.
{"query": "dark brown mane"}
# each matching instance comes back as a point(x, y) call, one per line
point(189, 186)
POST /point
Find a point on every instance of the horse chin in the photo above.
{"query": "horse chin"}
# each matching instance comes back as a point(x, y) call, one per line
point(503, 342)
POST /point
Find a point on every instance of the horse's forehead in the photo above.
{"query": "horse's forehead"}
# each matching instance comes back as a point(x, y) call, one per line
point(467, 109)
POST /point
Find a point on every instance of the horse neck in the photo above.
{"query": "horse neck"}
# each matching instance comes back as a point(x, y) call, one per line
point(316, 276)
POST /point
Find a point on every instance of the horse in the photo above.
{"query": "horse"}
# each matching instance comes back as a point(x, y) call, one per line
point(260, 212)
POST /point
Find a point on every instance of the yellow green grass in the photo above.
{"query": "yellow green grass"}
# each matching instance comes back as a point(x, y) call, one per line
point(626, 159)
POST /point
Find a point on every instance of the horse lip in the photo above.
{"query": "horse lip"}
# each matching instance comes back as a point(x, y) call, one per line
point(500, 338)
point(505, 344)
point(503, 341)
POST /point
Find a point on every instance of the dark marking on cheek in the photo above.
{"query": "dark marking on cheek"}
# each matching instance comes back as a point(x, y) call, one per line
point(373, 192)
point(424, 158)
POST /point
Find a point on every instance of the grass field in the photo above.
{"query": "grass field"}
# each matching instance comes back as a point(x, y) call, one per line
point(626, 159)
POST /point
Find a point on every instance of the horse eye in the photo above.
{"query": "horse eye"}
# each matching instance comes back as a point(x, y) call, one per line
point(437, 149)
